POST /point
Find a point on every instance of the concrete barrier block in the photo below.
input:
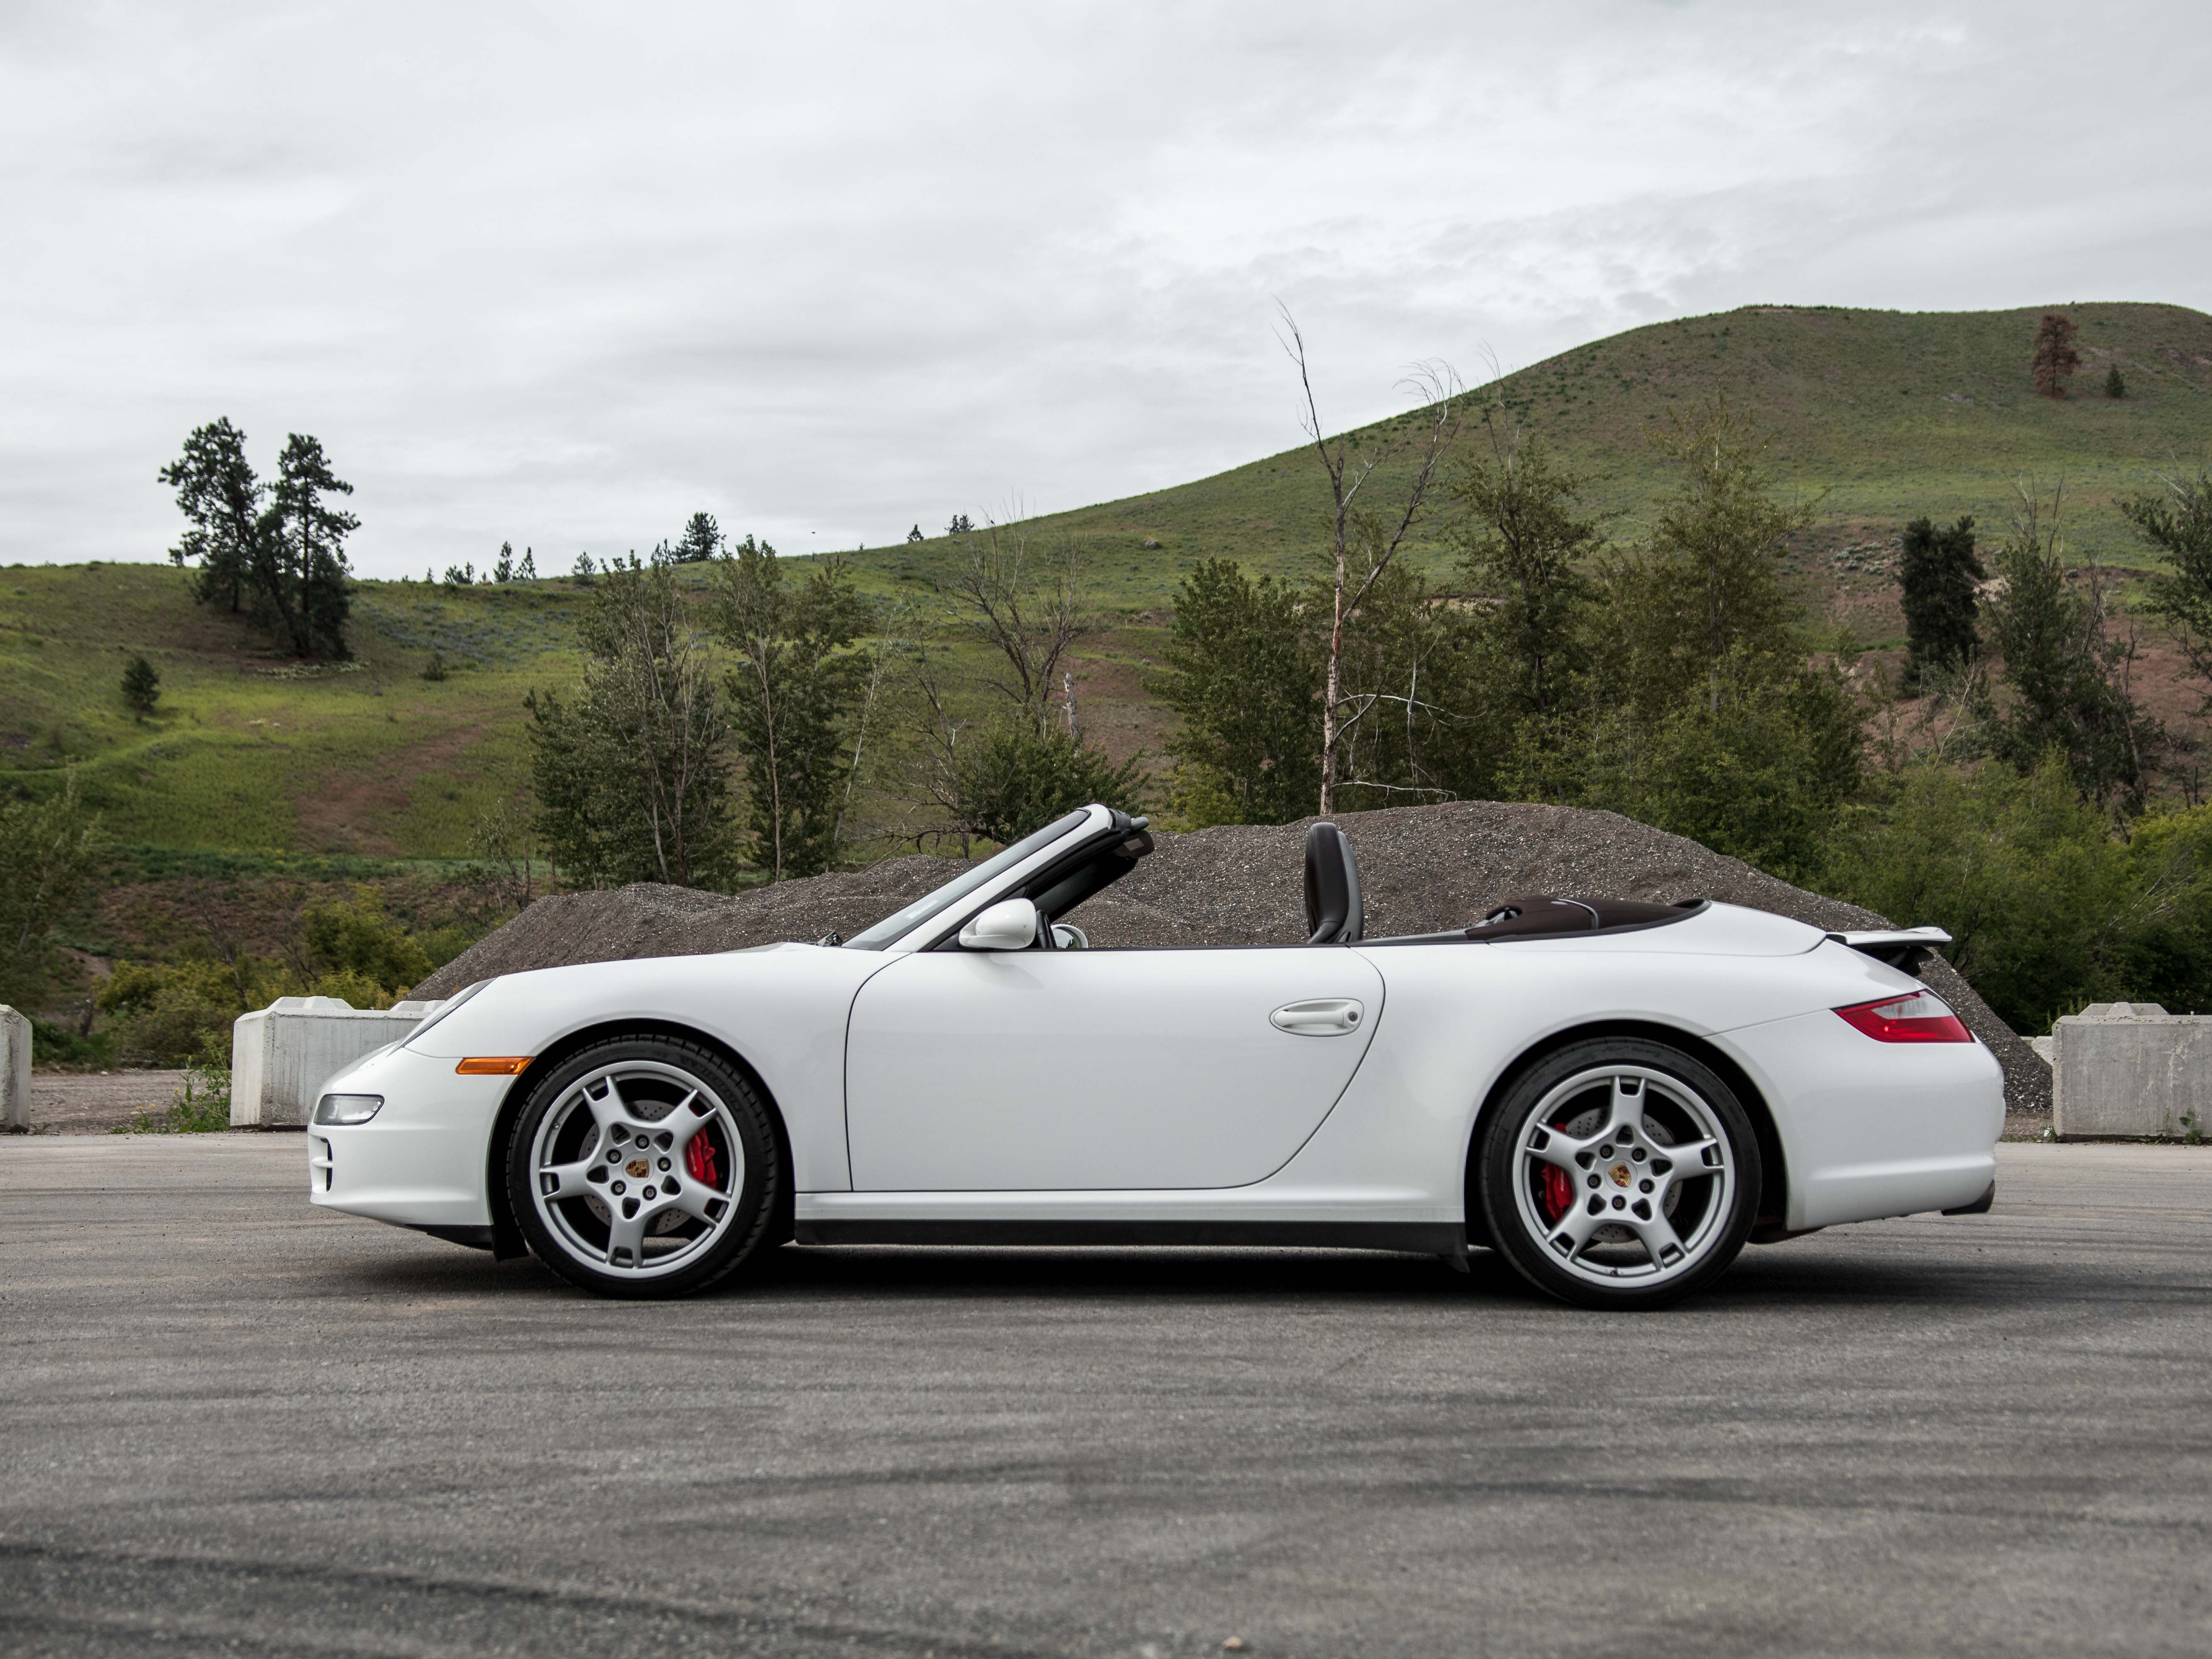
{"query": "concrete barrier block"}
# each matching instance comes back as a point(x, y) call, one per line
point(2130, 1069)
point(15, 1070)
point(281, 1055)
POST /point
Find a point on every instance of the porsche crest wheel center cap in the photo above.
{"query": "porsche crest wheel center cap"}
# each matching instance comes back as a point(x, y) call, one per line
point(637, 1167)
point(1619, 1172)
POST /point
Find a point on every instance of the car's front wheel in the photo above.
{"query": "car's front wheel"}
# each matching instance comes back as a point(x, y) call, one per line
point(1618, 1173)
point(643, 1165)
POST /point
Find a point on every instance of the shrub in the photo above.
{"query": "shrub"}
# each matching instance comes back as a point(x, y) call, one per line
point(142, 685)
point(1010, 780)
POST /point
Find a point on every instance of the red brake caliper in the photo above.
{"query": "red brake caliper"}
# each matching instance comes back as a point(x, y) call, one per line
point(699, 1160)
point(1559, 1192)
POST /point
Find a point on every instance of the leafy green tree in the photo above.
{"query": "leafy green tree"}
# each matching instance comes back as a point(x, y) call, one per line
point(55, 847)
point(357, 937)
point(1698, 710)
point(2069, 677)
point(2177, 522)
point(629, 770)
point(1008, 779)
point(1760, 774)
point(142, 685)
point(793, 686)
point(1243, 676)
point(222, 501)
point(1523, 542)
point(701, 541)
point(1938, 573)
point(2044, 905)
point(1707, 605)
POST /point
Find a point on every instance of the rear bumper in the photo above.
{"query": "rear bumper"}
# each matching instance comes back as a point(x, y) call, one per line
point(421, 1161)
point(1871, 1129)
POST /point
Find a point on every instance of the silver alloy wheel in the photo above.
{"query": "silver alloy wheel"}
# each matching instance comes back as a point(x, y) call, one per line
point(1638, 1148)
point(615, 1176)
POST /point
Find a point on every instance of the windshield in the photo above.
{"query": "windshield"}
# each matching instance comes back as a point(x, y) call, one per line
point(891, 928)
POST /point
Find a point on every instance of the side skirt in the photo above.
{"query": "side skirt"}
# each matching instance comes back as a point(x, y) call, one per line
point(1412, 1237)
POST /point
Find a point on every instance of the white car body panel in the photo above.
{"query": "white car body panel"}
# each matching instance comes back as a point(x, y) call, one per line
point(1033, 1070)
point(931, 1088)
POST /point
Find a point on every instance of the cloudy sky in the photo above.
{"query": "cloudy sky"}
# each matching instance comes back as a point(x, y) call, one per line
point(561, 274)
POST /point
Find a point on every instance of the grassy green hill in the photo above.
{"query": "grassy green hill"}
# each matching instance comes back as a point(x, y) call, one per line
point(246, 752)
point(1892, 414)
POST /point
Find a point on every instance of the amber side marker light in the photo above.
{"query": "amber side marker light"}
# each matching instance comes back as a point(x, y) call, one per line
point(492, 1064)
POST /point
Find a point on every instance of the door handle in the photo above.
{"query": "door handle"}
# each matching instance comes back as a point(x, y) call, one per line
point(1322, 1017)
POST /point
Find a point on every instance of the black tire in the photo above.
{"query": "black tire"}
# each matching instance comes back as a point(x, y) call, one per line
point(1579, 1192)
point(650, 1214)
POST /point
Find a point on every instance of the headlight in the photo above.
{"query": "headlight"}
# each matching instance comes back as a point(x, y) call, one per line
point(347, 1108)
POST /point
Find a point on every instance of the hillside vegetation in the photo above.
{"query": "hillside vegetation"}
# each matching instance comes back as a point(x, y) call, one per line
point(1894, 415)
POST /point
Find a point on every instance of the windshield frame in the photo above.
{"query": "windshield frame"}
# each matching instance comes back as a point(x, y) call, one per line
point(1001, 870)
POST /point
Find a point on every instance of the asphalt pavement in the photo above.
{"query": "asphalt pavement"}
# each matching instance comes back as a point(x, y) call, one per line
point(229, 1424)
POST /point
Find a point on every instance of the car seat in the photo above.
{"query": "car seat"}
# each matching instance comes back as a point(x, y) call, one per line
point(1333, 913)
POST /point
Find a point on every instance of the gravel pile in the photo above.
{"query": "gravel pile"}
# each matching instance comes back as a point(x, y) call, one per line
point(1423, 869)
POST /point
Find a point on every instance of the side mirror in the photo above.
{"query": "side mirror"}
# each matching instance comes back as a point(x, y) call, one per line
point(1008, 925)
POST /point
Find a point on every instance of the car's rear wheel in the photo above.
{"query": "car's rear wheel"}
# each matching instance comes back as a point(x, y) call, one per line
point(644, 1166)
point(1618, 1173)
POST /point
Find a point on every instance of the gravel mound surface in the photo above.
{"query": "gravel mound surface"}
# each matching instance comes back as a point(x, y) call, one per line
point(1423, 869)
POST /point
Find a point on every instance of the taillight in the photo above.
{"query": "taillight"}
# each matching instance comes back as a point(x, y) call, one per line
point(1917, 1016)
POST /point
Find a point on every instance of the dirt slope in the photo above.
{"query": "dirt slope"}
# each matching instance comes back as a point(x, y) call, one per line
point(1423, 868)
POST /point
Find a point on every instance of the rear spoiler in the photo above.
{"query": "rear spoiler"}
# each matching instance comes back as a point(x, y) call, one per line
point(1905, 948)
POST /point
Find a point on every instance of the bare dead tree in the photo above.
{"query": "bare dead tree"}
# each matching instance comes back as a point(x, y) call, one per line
point(1025, 605)
point(887, 640)
point(2054, 357)
point(1375, 537)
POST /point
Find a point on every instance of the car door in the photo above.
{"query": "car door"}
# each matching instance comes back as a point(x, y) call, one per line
point(1085, 1070)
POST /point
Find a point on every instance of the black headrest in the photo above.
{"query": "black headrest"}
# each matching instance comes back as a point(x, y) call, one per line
point(1333, 914)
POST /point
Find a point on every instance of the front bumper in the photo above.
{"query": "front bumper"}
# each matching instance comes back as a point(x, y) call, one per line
point(421, 1161)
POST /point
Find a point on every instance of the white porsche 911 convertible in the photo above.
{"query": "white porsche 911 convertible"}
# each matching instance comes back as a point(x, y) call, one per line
point(1615, 1094)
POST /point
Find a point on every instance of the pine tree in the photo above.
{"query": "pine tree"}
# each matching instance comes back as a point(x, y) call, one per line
point(583, 576)
point(1938, 573)
point(2055, 357)
point(528, 572)
point(301, 570)
point(502, 569)
point(219, 495)
point(2070, 675)
point(701, 539)
point(960, 525)
point(142, 685)
point(914, 534)
point(2115, 386)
